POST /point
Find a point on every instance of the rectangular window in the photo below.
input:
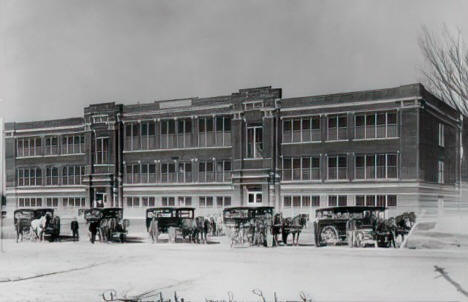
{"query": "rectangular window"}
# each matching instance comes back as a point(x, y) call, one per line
point(51, 146)
point(440, 174)
point(337, 167)
point(380, 166)
point(441, 135)
point(360, 172)
point(287, 131)
point(375, 125)
point(392, 127)
point(297, 201)
point(102, 150)
point(392, 168)
point(337, 127)
point(306, 201)
point(359, 126)
point(391, 200)
point(202, 201)
point(370, 200)
point(381, 200)
point(332, 201)
point(360, 200)
point(287, 201)
point(342, 200)
point(255, 142)
point(316, 201)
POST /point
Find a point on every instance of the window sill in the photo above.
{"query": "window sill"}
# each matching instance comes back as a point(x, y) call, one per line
point(303, 142)
point(374, 139)
point(337, 140)
point(302, 181)
point(336, 180)
point(49, 155)
point(375, 180)
point(175, 149)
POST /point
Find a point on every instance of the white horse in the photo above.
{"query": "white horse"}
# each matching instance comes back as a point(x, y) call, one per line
point(38, 227)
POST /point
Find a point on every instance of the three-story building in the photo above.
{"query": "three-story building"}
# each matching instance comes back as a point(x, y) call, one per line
point(397, 147)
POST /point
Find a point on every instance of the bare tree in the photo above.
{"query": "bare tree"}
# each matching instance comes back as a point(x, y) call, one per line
point(447, 72)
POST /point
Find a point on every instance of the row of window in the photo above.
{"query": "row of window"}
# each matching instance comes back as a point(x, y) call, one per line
point(212, 131)
point(33, 176)
point(307, 201)
point(180, 172)
point(38, 146)
point(366, 166)
point(366, 126)
point(53, 202)
point(181, 201)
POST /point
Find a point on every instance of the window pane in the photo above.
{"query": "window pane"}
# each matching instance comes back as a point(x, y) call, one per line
point(201, 125)
point(332, 122)
point(171, 126)
point(296, 125)
point(360, 120)
point(370, 200)
point(227, 123)
point(219, 123)
point(209, 124)
point(342, 121)
point(151, 130)
point(188, 126)
point(391, 118)
point(360, 200)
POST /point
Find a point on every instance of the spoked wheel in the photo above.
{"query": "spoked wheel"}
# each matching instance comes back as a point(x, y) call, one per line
point(329, 235)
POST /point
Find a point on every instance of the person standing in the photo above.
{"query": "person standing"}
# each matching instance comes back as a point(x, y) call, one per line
point(93, 226)
point(153, 230)
point(74, 228)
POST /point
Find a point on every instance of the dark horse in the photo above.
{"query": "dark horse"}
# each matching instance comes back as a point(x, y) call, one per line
point(293, 226)
point(53, 229)
point(404, 223)
point(199, 229)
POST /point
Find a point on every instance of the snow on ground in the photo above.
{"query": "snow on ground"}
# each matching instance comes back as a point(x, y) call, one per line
point(197, 272)
point(449, 231)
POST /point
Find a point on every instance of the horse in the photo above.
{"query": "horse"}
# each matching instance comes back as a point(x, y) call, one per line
point(53, 228)
point(198, 230)
point(38, 227)
point(404, 223)
point(22, 226)
point(277, 226)
point(293, 226)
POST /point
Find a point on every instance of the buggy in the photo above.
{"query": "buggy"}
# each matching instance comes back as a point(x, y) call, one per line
point(248, 224)
point(23, 218)
point(354, 226)
point(181, 219)
point(111, 225)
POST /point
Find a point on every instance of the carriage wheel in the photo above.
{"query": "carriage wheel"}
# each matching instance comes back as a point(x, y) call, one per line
point(329, 235)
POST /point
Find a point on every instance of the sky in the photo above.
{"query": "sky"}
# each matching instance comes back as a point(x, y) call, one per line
point(57, 57)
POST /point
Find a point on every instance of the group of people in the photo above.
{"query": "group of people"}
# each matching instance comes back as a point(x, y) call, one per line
point(196, 229)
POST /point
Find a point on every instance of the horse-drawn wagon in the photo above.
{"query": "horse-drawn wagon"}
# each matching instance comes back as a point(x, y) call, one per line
point(352, 225)
point(171, 220)
point(110, 223)
point(37, 223)
point(250, 225)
